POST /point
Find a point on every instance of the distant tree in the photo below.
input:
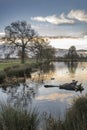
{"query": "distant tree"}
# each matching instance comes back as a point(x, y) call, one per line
point(21, 35)
point(82, 56)
point(72, 53)
point(42, 50)
point(49, 53)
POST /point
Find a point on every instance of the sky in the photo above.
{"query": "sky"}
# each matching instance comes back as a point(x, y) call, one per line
point(47, 17)
point(66, 43)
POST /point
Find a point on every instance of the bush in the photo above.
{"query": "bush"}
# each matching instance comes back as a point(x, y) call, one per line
point(75, 119)
point(7, 69)
point(77, 115)
point(50, 123)
point(18, 119)
point(2, 76)
point(33, 65)
point(19, 71)
point(27, 70)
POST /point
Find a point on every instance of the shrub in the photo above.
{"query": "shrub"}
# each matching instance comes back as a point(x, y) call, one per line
point(50, 123)
point(2, 76)
point(77, 115)
point(27, 70)
point(75, 119)
point(19, 72)
point(33, 65)
point(18, 119)
point(7, 69)
point(16, 66)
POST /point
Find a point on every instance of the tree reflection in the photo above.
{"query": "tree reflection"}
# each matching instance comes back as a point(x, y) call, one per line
point(46, 67)
point(21, 95)
point(43, 72)
point(72, 66)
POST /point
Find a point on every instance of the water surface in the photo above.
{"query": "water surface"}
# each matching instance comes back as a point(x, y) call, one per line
point(51, 100)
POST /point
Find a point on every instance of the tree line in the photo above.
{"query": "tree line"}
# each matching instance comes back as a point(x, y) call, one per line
point(21, 35)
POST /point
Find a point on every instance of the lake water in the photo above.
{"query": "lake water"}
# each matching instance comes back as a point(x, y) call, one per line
point(51, 100)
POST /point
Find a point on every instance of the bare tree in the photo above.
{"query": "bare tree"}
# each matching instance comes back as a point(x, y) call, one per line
point(21, 35)
point(42, 50)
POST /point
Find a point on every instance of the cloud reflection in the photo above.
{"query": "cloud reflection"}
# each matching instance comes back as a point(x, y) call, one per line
point(54, 96)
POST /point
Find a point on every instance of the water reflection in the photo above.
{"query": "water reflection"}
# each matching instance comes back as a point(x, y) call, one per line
point(21, 95)
point(47, 67)
point(72, 66)
point(45, 72)
point(33, 91)
point(54, 96)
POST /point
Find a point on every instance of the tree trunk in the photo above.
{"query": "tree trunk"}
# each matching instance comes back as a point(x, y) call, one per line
point(23, 55)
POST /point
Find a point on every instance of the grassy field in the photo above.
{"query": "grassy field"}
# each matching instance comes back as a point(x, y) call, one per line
point(9, 63)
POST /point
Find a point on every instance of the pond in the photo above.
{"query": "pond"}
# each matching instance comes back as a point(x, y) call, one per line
point(51, 100)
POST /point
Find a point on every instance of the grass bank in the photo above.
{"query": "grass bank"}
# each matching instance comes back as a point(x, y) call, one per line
point(14, 68)
point(9, 63)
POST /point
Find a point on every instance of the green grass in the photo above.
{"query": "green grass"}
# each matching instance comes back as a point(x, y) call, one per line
point(5, 64)
point(9, 63)
point(14, 68)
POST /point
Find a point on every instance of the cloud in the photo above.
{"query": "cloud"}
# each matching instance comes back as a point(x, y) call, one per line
point(70, 18)
point(79, 15)
point(53, 19)
point(2, 33)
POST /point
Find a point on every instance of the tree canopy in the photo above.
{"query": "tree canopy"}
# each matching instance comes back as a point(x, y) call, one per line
point(42, 50)
point(72, 53)
point(21, 35)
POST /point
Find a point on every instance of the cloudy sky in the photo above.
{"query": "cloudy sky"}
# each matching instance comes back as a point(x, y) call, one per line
point(47, 17)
